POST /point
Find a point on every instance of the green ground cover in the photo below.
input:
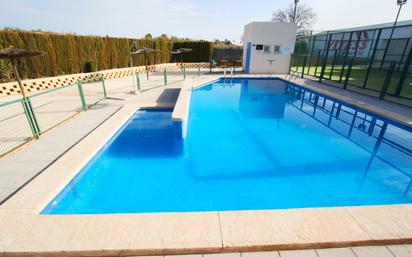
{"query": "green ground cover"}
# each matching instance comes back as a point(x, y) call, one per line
point(357, 77)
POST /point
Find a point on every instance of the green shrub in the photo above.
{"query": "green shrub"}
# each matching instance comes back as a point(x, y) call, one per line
point(89, 66)
point(67, 54)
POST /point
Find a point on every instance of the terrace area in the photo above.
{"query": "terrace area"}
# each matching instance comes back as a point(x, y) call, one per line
point(303, 152)
point(71, 141)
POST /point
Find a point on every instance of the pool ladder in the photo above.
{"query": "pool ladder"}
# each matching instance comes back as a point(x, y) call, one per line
point(232, 72)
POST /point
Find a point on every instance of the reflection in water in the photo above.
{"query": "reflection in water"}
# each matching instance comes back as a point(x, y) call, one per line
point(263, 99)
point(365, 130)
point(268, 99)
point(324, 153)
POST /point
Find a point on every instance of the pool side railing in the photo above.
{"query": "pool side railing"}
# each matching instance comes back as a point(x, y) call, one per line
point(22, 120)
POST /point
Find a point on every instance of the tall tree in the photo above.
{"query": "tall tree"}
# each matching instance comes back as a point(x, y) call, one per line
point(305, 17)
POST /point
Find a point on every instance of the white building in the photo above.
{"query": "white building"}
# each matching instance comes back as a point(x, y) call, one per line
point(268, 46)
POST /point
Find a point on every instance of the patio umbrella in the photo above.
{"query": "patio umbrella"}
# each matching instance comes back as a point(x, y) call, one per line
point(12, 54)
point(145, 51)
point(181, 51)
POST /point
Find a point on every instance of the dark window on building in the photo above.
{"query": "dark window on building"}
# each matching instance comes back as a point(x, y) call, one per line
point(259, 47)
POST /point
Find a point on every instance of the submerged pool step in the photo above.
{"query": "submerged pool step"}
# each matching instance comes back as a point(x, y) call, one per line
point(150, 133)
point(152, 123)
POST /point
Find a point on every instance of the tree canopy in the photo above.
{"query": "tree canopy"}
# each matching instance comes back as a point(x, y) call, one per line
point(305, 17)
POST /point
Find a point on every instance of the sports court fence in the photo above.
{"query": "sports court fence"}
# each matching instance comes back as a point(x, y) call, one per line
point(374, 60)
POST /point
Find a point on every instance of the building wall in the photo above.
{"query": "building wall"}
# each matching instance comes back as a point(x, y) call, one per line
point(262, 38)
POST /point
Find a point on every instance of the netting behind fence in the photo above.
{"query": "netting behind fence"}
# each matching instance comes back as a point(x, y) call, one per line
point(361, 58)
point(53, 107)
point(14, 126)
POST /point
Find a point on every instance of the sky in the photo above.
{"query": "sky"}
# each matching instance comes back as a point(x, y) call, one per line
point(196, 19)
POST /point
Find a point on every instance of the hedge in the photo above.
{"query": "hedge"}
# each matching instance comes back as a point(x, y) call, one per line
point(201, 51)
point(67, 54)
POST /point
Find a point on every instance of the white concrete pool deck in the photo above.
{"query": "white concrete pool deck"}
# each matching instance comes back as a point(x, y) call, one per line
point(24, 232)
point(364, 251)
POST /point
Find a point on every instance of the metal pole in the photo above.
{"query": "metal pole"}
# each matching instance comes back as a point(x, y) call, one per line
point(104, 88)
point(303, 67)
point(345, 85)
point(403, 54)
point(137, 82)
point(397, 16)
point(372, 58)
point(346, 57)
point(147, 70)
point(165, 76)
point(81, 93)
point(387, 81)
point(391, 35)
point(325, 62)
point(317, 63)
point(333, 64)
point(311, 52)
point(184, 72)
point(294, 12)
point(16, 73)
point(404, 73)
point(29, 118)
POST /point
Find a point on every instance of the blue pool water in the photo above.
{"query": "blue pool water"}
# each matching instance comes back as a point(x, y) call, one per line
point(252, 144)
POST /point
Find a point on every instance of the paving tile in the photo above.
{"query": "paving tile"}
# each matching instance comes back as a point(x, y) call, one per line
point(19, 166)
point(401, 250)
point(260, 254)
point(5, 192)
point(136, 232)
point(285, 227)
point(299, 253)
point(335, 252)
point(384, 222)
point(372, 251)
point(14, 180)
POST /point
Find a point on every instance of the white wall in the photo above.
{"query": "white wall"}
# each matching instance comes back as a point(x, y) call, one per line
point(269, 34)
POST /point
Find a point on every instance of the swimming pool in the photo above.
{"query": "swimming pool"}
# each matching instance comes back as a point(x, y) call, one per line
point(252, 144)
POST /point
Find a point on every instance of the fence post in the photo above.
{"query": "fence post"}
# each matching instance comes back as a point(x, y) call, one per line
point(345, 60)
point(165, 76)
point(387, 80)
point(303, 67)
point(387, 46)
point(81, 93)
point(31, 118)
point(198, 70)
point(317, 63)
point(325, 62)
point(404, 73)
point(333, 64)
point(184, 71)
point(104, 87)
point(345, 84)
point(137, 82)
point(375, 47)
point(311, 52)
point(351, 62)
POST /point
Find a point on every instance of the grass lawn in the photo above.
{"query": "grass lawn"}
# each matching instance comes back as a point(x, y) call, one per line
point(357, 78)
